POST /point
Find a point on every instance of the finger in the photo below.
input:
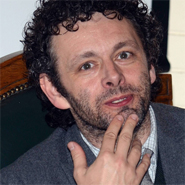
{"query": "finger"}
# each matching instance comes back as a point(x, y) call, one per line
point(135, 153)
point(125, 136)
point(79, 159)
point(111, 134)
point(143, 167)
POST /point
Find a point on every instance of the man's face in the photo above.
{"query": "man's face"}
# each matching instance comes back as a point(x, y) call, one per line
point(104, 69)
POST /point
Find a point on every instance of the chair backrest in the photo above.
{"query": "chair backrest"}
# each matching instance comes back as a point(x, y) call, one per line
point(22, 118)
point(165, 93)
point(13, 76)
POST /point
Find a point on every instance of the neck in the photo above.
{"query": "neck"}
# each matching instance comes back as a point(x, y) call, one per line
point(92, 134)
point(144, 131)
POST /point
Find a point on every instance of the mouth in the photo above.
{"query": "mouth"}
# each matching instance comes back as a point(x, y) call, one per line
point(120, 101)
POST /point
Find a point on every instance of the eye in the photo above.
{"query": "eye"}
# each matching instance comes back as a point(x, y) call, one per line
point(87, 66)
point(124, 55)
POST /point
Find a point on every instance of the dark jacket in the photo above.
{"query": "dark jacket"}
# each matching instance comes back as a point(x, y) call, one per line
point(50, 162)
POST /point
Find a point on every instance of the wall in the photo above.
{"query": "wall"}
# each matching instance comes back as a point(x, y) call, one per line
point(13, 16)
point(176, 50)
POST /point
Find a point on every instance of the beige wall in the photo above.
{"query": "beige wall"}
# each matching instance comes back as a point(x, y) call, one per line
point(176, 50)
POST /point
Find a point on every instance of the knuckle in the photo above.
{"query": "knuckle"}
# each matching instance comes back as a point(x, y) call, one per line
point(137, 142)
point(75, 156)
point(131, 123)
point(106, 156)
point(131, 171)
point(76, 174)
point(145, 164)
point(131, 174)
point(111, 135)
point(120, 163)
point(136, 151)
point(126, 137)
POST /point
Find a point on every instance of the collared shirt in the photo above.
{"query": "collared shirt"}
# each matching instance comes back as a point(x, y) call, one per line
point(151, 143)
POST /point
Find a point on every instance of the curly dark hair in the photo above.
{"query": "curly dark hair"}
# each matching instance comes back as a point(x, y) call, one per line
point(45, 23)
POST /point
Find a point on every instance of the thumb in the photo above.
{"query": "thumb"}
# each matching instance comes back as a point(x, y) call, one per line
point(79, 159)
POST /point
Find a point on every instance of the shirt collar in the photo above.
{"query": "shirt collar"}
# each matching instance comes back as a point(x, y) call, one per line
point(151, 143)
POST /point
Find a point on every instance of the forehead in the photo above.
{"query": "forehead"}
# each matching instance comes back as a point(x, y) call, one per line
point(98, 35)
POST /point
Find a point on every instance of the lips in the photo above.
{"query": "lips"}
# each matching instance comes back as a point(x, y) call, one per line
point(120, 101)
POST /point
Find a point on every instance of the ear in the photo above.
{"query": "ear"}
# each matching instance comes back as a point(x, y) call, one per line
point(152, 74)
point(51, 92)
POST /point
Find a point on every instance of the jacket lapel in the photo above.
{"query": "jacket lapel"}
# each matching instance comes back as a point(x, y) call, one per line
point(73, 134)
point(159, 179)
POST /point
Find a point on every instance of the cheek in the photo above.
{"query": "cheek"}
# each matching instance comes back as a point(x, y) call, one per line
point(85, 87)
point(133, 76)
point(93, 88)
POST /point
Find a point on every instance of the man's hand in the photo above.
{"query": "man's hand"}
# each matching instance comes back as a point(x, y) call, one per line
point(114, 165)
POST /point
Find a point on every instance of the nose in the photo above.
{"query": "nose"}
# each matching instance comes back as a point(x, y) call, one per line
point(112, 76)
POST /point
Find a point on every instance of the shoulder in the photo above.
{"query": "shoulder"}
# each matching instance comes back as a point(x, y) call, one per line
point(168, 111)
point(170, 119)
point(45, 158)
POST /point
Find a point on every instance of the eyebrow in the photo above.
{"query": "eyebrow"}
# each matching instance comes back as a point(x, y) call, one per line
point(87, 54)
point(124, 44)
point(118, 46)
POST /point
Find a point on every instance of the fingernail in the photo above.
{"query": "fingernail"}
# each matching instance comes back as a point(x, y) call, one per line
point(119, 117)
point(71, 146)
point(148, 152)
point(134, 117)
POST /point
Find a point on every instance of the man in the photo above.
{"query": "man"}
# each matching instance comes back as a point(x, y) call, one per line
point(94, 66)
